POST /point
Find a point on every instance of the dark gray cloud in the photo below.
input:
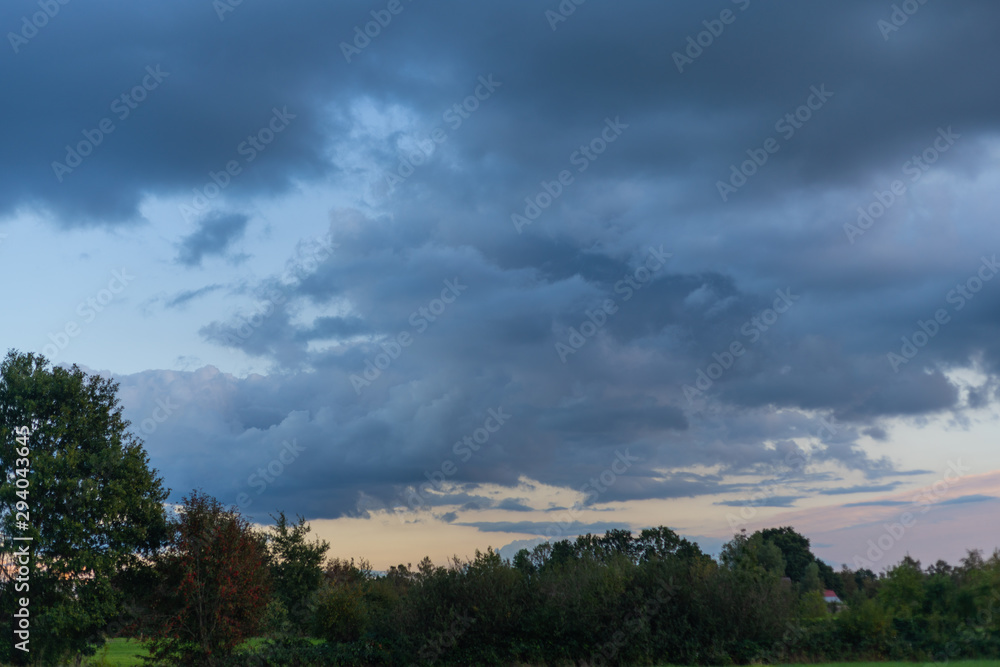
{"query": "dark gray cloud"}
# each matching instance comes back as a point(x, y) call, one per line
point(864, 488)
point(973, 498)
point(513, 505)
point(961, 500)
point(879, 503)
point(187, 296)
point(563, 531)
point(770, 501)
point(876, 433)
point(215, 235)
point(376, 416)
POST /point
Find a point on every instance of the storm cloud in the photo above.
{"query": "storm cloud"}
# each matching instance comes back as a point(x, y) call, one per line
point(652, 245)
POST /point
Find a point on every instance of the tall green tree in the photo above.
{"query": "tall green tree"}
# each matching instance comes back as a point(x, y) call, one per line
point(94, 506)
point(794, 549)
point(798, 557)
point(753, 552)
point(810, 580)
point(296, 566)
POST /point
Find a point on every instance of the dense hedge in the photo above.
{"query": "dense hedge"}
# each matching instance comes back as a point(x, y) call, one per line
point(652, 599)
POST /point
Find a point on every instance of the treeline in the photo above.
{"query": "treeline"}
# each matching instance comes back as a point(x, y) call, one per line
point(616, 599)
point(655, 598)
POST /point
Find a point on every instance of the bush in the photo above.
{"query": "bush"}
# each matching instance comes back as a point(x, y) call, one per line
point(284, 652)
point(867, 626)
point(341, 614)
point(213, 589)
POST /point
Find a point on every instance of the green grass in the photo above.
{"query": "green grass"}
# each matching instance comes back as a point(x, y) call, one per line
point(963, 663)
point(956, 663)
point(120, 652)
point(126, 652)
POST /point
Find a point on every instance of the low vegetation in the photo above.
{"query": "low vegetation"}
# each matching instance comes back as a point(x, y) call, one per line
point(619, 599)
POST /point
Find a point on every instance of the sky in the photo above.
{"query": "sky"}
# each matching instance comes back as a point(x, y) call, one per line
point(442, 276)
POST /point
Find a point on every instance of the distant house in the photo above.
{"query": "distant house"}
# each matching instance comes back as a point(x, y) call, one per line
point(833, 601)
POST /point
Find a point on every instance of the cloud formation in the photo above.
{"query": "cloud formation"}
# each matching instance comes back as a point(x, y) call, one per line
point(706, 265)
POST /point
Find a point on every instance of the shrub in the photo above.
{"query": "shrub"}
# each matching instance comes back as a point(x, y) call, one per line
point(214, 586)
point(341, 614)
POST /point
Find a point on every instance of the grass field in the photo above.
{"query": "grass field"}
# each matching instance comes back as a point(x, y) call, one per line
point(126, 652)
point(962, 663)
point(116, 652)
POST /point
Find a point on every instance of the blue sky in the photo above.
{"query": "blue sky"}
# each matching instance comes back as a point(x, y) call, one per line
point(442, 276)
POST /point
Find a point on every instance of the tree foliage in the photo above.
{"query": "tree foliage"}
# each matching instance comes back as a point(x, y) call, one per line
point(213, 587)
point(296, 567)
point(95, 505)
point(609, 600)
